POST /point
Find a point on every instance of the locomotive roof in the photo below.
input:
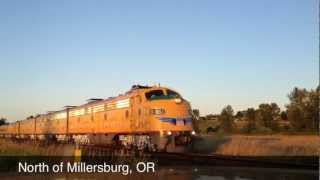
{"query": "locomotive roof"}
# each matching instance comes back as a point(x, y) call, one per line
point(134, 89)
point(95, 101)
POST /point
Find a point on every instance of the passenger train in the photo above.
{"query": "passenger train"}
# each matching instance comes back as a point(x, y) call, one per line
point(146, 117)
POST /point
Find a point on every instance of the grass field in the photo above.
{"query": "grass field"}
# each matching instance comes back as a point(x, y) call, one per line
point(264, 145)
point(275, 145)
point(9, 148)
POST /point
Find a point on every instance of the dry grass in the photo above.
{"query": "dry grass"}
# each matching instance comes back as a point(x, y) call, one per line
point(270, 145)
point(236, 145)
point(9, 148)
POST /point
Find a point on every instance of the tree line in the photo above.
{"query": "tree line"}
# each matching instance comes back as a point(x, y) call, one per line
point(300, 115)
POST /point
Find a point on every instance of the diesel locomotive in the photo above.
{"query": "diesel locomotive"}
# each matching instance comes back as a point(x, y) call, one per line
point(145, 117)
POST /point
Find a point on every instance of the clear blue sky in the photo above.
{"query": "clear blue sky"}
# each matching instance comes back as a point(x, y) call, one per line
point(239, 52)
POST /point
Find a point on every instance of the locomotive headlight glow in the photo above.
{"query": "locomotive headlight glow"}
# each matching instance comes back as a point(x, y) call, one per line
point(193, 133)
point(178, 100)
point(169, 133)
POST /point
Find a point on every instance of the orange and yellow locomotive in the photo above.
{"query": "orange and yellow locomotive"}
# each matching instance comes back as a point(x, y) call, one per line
point(156, 118)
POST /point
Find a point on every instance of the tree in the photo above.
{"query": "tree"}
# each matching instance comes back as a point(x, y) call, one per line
point(268, 114)
point(226, 119)
point(284, 115)
point(195, 119)
point(313, 109)
point(196, 113)
point(275, 114)
point(239, 115)
point(295, 117)
point(297, 96)
point(251, 118)
point(303, 109)
point(275, 110)
point(3, 121)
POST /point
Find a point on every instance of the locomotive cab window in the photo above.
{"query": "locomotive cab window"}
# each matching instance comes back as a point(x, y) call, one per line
point(172, 94)
point(155, 94)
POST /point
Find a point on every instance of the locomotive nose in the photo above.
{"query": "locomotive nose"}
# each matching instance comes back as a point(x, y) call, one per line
point(170, 108)
point(169, 111)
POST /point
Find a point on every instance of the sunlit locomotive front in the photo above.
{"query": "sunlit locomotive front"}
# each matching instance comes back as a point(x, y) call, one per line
point(146, 118)
point(172, 118)
point(161, 117)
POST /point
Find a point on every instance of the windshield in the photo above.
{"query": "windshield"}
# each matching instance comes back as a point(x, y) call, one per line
point(172, 94)
point(159, 94)
point(155, 94)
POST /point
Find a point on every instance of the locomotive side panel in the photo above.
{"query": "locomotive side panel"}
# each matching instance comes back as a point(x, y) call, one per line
point(40, 125)
point(12, 129)
point(62, 129)
point(97, 116)
point(59, 123)
point(84, 121)
point(110, 125)
point(76, 124)
point(44, 125)
point(27, 126)
point(48, 125)
point(86, 124)
point(139, 115)
point(98, 119)
point(58, 126)
point(73, 121)
point(118, 121)
point(4, 129)
point(117, 116)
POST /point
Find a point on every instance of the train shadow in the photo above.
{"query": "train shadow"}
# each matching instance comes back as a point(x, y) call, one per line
point(207, 145)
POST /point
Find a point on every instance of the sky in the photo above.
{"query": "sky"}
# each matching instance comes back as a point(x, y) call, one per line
point(215, 53)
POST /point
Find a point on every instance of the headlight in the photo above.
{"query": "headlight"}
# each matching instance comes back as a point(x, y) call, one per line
point(169, 133)
point(157, 111)
point(193, 133)
point(178, 100)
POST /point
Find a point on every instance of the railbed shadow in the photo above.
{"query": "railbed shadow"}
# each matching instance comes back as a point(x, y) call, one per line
point(207, 145)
